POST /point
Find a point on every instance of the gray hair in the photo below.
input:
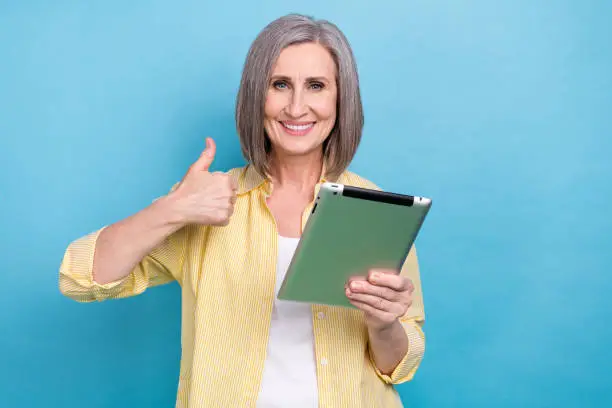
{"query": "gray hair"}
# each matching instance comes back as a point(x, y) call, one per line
point(341, 145)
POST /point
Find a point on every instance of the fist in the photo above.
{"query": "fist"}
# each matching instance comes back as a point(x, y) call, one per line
point(202, 197)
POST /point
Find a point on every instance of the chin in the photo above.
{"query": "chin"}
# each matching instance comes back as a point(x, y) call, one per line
point(300, 147)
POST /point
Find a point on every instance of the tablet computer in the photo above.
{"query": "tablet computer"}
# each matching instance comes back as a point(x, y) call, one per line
point(350, 231)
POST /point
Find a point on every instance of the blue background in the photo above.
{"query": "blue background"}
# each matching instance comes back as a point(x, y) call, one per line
point(500, 111)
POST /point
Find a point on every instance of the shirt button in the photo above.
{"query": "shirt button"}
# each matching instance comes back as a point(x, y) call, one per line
point(321, 315)
point(324, 361)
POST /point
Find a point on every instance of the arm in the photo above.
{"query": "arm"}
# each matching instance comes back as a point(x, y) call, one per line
point(123, 259)
point(393, 307)
point(407, 338)
point(148, 248)
point(121, 246)
point(396, 355)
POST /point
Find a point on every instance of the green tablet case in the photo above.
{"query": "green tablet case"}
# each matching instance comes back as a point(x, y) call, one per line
point(350, 231)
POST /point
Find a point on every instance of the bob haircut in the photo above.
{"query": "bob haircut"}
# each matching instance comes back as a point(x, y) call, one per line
point(343, 140)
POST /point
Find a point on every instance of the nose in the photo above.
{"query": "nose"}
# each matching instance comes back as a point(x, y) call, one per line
point(297, 106)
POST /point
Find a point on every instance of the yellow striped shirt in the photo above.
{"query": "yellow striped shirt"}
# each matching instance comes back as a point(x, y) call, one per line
point(227, 279)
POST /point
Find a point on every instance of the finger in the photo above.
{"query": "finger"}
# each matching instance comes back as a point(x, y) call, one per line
point(390, 280)
point(410, 287)
point(369, 289)
point(376, 302)
point(206, 158)
point(357, 278)
point(384, 317)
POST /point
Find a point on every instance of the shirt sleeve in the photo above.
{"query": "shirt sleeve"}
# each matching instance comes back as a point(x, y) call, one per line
point(412, 322)
point(162, 265)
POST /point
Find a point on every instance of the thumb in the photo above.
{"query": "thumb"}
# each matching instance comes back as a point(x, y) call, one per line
point(206, 158)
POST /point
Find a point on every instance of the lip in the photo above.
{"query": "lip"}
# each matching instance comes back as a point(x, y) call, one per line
point(296, 128)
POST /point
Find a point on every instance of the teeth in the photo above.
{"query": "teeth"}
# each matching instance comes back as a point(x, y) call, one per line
point(298, 127)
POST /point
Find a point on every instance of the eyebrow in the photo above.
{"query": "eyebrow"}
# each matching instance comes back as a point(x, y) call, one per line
point(309, 79)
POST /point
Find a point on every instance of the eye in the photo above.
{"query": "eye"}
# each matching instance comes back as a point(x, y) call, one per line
point(317, 86)
point(279, 84)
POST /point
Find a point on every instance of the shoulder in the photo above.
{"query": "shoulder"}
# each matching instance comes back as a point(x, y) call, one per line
point(247, 179)
point(353, 179)
point(237, 171)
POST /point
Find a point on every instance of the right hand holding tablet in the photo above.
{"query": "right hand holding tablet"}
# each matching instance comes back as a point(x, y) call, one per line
point(202, 197)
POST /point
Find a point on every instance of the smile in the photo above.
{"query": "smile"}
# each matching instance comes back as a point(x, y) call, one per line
point(297, 129)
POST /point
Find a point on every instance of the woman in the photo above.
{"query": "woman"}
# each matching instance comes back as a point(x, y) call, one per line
point(227, 239)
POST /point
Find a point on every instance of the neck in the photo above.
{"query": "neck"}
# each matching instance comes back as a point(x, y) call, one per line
point(296, 172)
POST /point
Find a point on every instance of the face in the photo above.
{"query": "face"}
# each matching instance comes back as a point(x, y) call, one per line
point(300, 109)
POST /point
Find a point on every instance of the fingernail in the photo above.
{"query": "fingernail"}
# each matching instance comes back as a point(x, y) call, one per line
point(355, 285)
point(375, 275)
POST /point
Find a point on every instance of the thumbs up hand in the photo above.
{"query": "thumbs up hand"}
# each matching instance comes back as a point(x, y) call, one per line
point(202, 197)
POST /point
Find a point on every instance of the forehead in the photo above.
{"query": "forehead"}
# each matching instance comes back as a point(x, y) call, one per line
point(305, 60)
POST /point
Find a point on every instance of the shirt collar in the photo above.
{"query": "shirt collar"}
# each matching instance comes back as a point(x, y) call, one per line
point(249, 179)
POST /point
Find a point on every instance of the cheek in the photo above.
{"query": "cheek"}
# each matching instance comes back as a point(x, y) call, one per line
point(274, 105)
point(325, 109)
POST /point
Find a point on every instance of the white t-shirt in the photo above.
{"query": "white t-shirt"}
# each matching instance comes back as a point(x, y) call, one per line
point(289, 378)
